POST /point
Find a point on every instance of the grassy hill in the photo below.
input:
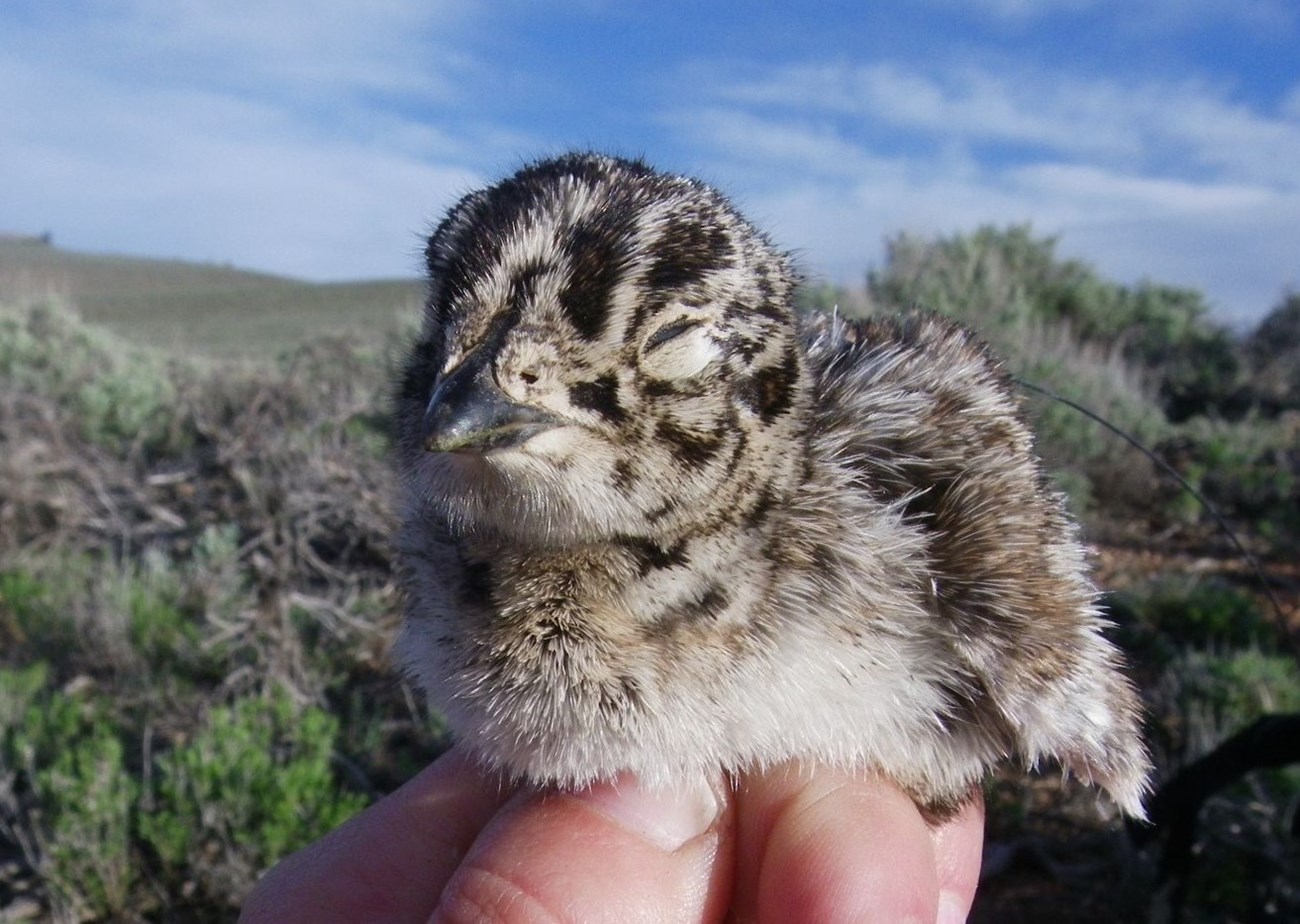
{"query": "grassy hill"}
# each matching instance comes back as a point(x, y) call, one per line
point(207, 309)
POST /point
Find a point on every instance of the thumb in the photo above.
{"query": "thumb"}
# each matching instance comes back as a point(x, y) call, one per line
point(614, 852)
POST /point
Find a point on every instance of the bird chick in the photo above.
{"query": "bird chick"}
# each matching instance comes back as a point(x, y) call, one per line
point(652, 523)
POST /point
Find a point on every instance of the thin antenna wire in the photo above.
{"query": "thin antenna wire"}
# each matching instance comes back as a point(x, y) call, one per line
point(1186, 485)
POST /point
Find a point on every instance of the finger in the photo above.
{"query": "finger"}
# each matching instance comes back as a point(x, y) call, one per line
point(614, 852)
point(388, 863)
point(958, 852)
point(824, 845)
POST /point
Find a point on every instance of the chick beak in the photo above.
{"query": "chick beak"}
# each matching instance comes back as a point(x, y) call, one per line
point(469, 413)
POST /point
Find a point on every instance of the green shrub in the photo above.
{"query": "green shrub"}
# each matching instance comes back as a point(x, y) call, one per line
point(88, 798)
point(1203, 614)
point(51, 721)
point(130, 403)
point(1197, 362)
point(1000, 281)
point(163, 635)
point(1204, 697)
point(215, 577)
point(121, 397)
point(138, 621)
point(1273, 349)
point(1102, 473)
point(37, 619)
point(66, 751)
point(1248, 469)
point(19, 688)
point(24, 611)
point(1252, 682)
point(253, 785)
point(1005, 282)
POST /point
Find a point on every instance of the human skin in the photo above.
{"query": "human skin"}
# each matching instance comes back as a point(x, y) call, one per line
point(457, 845)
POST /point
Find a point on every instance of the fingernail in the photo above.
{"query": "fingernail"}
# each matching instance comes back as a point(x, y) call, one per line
point(952, 910)
point(667, 818)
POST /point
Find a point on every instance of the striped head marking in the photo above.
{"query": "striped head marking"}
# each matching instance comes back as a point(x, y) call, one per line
point(607, 350)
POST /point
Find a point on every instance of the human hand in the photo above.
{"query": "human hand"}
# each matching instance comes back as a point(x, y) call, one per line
point(790, 844)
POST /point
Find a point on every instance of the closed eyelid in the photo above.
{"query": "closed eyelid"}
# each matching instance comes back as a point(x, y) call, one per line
point(671, 330)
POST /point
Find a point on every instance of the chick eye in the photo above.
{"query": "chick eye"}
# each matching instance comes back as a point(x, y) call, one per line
point(671, 331)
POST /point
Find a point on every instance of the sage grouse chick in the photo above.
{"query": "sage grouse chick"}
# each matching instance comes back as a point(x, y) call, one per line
point(651, 524)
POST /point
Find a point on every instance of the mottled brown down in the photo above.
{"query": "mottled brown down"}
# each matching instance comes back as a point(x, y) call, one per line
point(652, 523)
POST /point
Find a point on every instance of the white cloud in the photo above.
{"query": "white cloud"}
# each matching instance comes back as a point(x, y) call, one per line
point(325, 50)
point(214, 145)
point(242, 194)
point(817, 149)
point(1168, 181)
point(1098, 191)
point(1141, 125)
point(1230, 243)
point(1290, 107)
point(1228, 136)
point(960, 102)
point(210, 177)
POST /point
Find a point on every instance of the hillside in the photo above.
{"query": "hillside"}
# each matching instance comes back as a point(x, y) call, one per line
point(207, 309)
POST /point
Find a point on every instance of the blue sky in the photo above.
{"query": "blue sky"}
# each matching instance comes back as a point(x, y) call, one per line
point(1157, 138)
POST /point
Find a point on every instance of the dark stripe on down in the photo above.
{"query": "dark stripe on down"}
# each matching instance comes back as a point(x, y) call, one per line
point(688, 447)
point(600, 396)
